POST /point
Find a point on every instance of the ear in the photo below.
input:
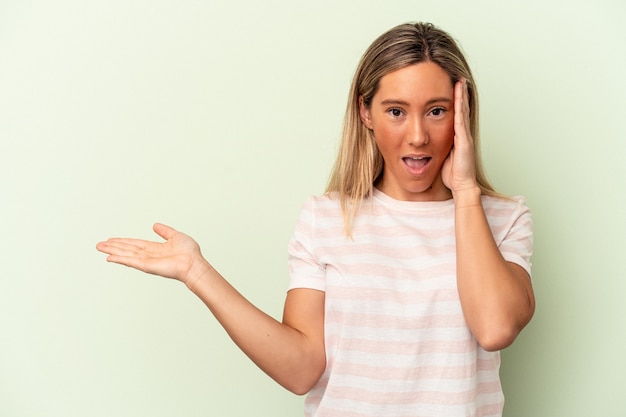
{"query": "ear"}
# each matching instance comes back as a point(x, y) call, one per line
point(365, 113)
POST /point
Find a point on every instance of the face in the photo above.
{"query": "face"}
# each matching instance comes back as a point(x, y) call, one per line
point(412, 119)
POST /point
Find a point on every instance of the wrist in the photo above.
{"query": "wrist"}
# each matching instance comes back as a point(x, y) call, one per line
point(467, 197)
point(197, 272)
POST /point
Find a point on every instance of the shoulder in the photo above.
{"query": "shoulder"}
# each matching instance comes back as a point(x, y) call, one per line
point(320, 216)
point(498, 206)
point(322, 207)
point(322, 202)
point(508, 215)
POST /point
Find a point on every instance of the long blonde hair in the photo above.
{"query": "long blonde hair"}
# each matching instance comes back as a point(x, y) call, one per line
point(359, 163)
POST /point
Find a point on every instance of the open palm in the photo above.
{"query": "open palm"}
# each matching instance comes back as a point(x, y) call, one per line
point(459, 170)
point(172, 258)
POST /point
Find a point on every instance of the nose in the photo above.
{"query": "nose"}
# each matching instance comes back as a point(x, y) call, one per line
point(416, 134)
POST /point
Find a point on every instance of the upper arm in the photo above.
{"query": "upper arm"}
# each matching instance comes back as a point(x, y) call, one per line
point(304, 311)
point(524, 280)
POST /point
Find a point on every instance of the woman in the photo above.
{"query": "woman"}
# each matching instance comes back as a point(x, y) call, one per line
point(408, 275)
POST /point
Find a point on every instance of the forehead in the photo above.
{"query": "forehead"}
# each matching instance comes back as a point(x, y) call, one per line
point(418, 81)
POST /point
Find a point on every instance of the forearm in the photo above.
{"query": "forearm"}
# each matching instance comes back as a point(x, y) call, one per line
point(495, 295)
point(291, 357)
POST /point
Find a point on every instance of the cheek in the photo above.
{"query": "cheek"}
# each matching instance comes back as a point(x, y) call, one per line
point(386, 138)
point(445, 138)
point(450, 141)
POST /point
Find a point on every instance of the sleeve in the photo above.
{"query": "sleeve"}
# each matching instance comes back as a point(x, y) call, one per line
point(516, 244)
point(305, 270)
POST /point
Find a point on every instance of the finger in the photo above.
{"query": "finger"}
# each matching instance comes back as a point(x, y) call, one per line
point(105, 247)
point(138, 243)
point(130, 261)
point(466, 107)
point(458, 101)
point(118, 248)
point(166, 232)
point(451, 155)
point(461, 111)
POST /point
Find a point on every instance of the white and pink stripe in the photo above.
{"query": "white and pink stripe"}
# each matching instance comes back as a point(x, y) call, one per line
point(396, 340)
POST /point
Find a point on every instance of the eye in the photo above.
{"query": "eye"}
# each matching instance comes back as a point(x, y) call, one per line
point(395, 112)
point(438, 111)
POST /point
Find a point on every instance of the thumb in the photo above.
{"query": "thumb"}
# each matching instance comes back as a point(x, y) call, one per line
point(446, 169)
point(164, 231)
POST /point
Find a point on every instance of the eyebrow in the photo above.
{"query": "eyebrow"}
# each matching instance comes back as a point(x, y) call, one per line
point(405, 103)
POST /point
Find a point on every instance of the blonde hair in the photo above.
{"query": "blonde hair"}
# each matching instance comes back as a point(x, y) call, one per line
point(359, 163)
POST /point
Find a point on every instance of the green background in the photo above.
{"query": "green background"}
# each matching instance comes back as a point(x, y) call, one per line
point(220, 118)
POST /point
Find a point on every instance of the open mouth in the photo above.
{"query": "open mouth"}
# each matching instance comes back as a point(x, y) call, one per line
point(416, 162)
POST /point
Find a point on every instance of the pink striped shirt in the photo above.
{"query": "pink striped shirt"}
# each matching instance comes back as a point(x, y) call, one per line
point(397, 343)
